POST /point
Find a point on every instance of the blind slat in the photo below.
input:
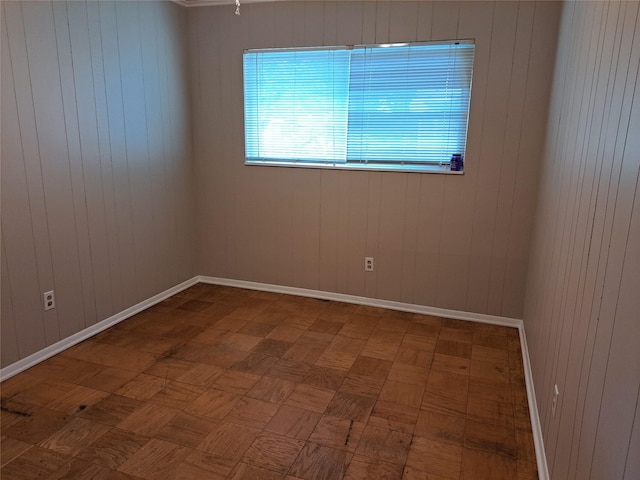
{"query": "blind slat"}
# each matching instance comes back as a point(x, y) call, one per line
point(400, 104)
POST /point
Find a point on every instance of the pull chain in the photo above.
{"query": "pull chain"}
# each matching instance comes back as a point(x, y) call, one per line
point(237, 7)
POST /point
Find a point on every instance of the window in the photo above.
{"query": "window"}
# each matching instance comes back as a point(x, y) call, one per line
point(387, 107)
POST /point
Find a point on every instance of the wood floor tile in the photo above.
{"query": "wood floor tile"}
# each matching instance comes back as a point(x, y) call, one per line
point(169, 368)
point(113, 448)
point(492, 438)
point(385, 445)
point(244, 471)
point(142, 387)
point(109, 379)
point(236, 382)
point(77, 399)
point(453, 348)
point(363, 467)
point(187, 430)
point(229, 440)
point(438, 458)
point(293, 422)
point(177, 395)
point(256, 363)
point(325, 377)
point(251, 412)
point(156, 460)
point(74, 436)
point(402, 393)
point(286, 333)
point(340, 433)
point(408, 374)
point(289, 370)
point(350, 406)
point(394, 416)
point(221, 382)
point(213, 404)
point(273, 452)
point(111, 410)
point(37, 425)
point(201, 375)
point(34, 463)
point(320, 463)
point(200, 465)
point(481, 465)
point(451, 364)
point(440, 427)
point(446, 393)
point(369, 366)
point(310, 398)
point(270, 389)
point(148, 419)
point(10, 448)
point(365, 385)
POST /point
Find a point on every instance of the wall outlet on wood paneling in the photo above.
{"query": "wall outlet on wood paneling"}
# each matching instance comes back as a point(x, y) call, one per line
point(554, 402)
point(368, 264)
point(49, 300)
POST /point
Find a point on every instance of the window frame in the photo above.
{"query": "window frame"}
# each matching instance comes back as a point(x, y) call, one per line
point(442, 167)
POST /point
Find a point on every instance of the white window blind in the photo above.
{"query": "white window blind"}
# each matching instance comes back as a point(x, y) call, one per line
point(367, 106)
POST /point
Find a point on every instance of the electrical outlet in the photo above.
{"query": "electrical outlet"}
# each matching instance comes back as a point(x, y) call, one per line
point(49, 300)
point(368, 264)
point(554, 402)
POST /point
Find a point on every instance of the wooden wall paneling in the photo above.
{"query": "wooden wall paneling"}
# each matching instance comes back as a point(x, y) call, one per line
point(356, 246)
point(432, 209)
point(571, 353)
point(510, 154)
point(62, 218)
point(181, 168)
point(106, 167)
point(119, 158)
point(542, 58)
point(135, 121)
point(372, 248)
point(424, 23)
point(213, 194)
point(403, 21)
point(383, 12)
point(30, 154)
point(614, 106)
point(393, 187)
point(264, 182)
point(18, 243)
point(409, 251)
point(632, 461)
point(619, 203)
point(283, 20)
point(155, 146)
point(9, 348)
point(74, 55)
point(488, 172)
point(369, 12)
point(455, 227)
point(561, 276)
point(330, 235)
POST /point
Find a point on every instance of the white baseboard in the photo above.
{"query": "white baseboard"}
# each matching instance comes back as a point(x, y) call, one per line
point(58, 347)
point(47, 352)
point(373, 302)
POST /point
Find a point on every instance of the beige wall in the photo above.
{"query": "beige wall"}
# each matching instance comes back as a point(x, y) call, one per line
point(582, 314)
point(458, 242)
point(96, 163)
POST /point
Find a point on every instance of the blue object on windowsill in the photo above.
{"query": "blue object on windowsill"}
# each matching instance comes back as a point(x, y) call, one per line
point(457, 163)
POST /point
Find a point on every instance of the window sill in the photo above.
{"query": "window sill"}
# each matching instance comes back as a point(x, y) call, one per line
point(440, 169)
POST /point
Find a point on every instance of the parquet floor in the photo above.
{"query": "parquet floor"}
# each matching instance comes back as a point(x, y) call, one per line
point(225, 383)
